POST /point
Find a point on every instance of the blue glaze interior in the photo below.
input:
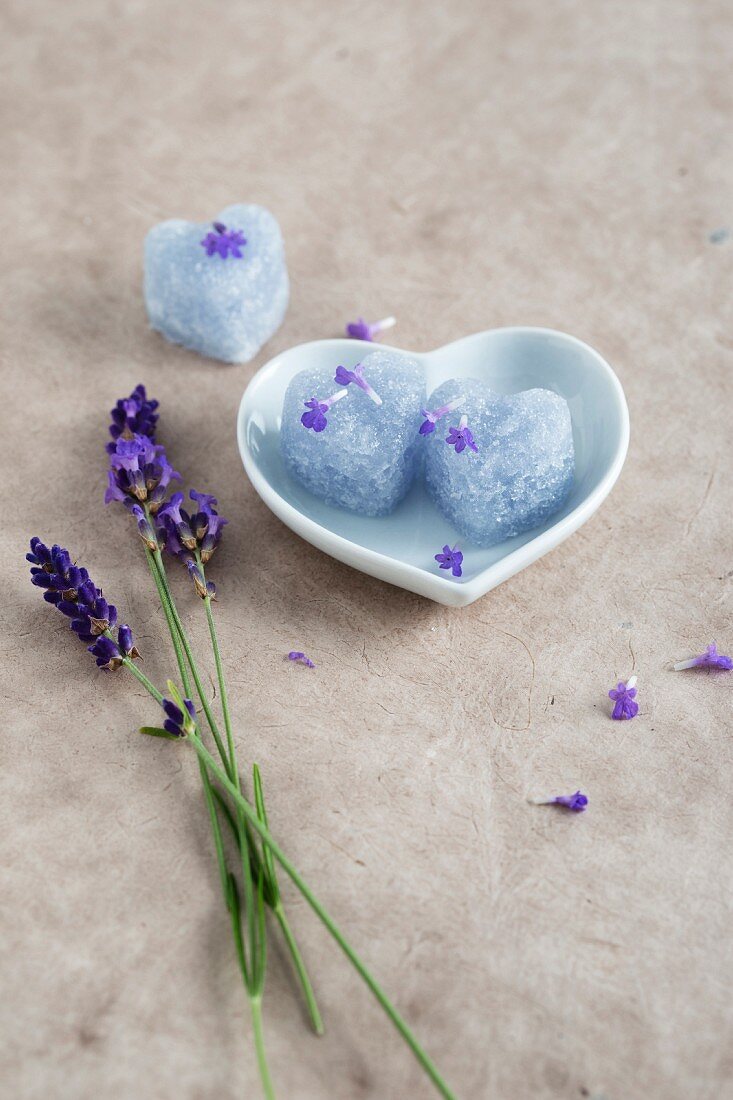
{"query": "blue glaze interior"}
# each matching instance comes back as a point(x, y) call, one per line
point(509, 361)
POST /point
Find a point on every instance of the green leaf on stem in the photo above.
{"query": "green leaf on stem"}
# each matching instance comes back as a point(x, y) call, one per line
point(270, 873)
point(156, 731)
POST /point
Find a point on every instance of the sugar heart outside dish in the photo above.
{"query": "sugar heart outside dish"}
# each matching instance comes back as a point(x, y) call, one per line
point(400, 548)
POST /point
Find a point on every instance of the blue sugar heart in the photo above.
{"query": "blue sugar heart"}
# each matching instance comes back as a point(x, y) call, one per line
point(220, 288)
point(521, 470)
point(353, 451)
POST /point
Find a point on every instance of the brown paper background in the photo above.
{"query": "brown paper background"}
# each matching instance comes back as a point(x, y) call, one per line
point(464, 166)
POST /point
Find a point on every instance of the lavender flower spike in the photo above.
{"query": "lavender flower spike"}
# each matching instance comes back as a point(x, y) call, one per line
point(131, 416)
point(432, 418)
point(296, 655)
point(461, 437)
point(345, 377)
point(577, 802)
point(709, 659)
point(315, 418)
point(75, 595)
point(362, 330)
point(624, 696)
point(451, 559)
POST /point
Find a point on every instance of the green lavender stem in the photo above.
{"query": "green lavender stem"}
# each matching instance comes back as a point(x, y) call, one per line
point(252, 927)
point(158, 559)
point(260, 1047)
point(252, 817)
point(228, 882)
point(227, 759)
point(206, 782)
point(289, 868)
point(230, 764)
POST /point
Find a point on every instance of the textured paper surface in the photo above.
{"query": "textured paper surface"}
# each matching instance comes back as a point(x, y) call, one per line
point(461, 166)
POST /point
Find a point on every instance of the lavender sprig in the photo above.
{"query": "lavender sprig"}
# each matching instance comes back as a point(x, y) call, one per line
point(136, 474)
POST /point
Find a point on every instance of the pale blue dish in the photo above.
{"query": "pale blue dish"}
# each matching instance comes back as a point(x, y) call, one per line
point(401, 547)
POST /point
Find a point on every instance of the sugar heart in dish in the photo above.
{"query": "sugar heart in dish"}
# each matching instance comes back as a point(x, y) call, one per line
point(497, 466)
point(351, 435)
point(219, 288)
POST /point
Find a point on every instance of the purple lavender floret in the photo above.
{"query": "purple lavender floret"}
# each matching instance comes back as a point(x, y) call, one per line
point(461, 437)
point(433, 416)
point(344, 377)
point(203, 587)
point(131, 416)
point(75, 595)
point(224, 242)
point(315, 418)
point(89, 620)
point(451, 559)
point(624, 696)
point(107, 653)
point(576, 802)
point(139, 472)
point(709, 659)
point(177, 723)
point(182, 532)
point(53, 570)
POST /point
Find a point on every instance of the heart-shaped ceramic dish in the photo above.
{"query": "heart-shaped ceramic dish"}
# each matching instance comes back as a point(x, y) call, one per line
point(400, 548)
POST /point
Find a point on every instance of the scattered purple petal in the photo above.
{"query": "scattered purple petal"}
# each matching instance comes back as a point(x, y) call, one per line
point(624, 696)
point(451, 559)
point(224, 242)
point(709, 659)
point(577, 802)
point(296, 655)
point(461, 437)
point(362, 330)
